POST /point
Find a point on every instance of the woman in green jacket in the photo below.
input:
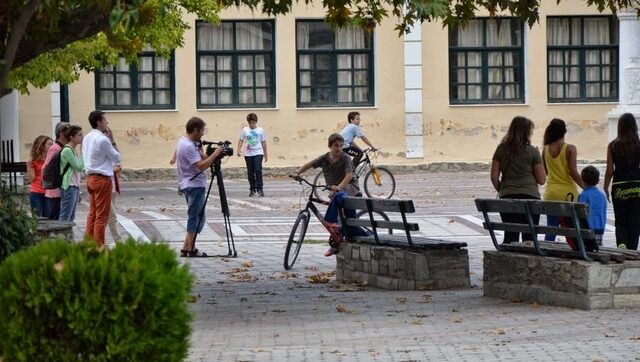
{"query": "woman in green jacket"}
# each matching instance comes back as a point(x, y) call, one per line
point(70, 167)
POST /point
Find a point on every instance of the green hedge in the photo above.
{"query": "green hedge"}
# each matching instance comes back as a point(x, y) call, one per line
point(17, 224)
point(71, 302)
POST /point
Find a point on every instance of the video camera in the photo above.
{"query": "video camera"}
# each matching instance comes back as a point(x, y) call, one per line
point(212, 146)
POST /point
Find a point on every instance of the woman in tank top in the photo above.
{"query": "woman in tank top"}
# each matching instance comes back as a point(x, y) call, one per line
point(559, 159)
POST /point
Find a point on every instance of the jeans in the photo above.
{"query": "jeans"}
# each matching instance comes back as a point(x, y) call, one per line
point(38, 204)
point(331, 215)
point(99, 188)
point(510, 236)
point(195, 197)
point(68, 203)
point(254, 171)
point(552, 221)
point(53, 207)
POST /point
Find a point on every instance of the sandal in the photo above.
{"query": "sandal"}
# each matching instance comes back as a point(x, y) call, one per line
point(195, 253)
point(184, 253)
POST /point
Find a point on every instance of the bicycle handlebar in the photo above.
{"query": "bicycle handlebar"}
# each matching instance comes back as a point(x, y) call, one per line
point(367, 150)
point(301, 180)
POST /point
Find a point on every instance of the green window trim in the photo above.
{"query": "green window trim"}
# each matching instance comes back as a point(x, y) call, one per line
point(329, 74)
point(230, 74)
point(579, 72)
point(484, 73)
point(147, 85)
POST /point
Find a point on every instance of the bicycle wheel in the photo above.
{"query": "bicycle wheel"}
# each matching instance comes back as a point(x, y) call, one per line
point(365, 214)
point(319, 192)
point(380, 183)
point(295, 239)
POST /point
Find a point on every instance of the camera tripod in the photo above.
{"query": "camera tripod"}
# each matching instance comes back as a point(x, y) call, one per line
point(216, 173)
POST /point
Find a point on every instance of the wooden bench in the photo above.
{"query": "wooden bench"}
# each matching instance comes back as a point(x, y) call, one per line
point(400, 260)
point(516, 272)
point(575, 212)
point(381, 226)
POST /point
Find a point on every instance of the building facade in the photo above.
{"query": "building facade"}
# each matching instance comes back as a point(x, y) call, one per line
point(434, 95)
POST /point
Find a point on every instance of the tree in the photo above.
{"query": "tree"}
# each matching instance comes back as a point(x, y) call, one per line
point(54, 40)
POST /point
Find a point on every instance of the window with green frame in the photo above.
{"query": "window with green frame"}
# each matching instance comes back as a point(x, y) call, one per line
point(334, 67)
point(150, 84)
point(582, 59)
point(235, 63)
point(486, 62)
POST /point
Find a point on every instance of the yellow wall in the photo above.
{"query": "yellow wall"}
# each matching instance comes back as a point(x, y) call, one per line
point(461, 133)
point(147, 139)
point(470, 133)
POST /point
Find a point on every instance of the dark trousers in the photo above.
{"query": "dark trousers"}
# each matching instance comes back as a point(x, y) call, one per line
point(53, 205)
point(356, 153)
point(627, 213)
point(254, 171)
point(510, 236)
point(38, 204)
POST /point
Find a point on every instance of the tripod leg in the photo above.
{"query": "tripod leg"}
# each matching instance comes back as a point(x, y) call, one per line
point(230, 242)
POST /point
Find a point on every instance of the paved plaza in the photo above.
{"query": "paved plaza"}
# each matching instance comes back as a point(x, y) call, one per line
point(250, 309)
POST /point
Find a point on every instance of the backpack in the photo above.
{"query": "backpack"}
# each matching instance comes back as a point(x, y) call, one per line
point(51, 176)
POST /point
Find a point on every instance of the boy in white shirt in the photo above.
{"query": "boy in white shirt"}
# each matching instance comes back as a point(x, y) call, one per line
point(255, 141)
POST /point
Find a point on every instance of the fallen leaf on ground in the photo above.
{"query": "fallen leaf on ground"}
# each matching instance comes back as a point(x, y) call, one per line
point(321, 278)
point(247, 264)
point(342, 309)
point(192, 298)
point(534, 305)
point(610, 334)
point(456, 320)
point(635, 338)
point(417, 321)
point(401, 300)
point(278, 310)
point(451, 221)
point(498, 331)
point(258, 349)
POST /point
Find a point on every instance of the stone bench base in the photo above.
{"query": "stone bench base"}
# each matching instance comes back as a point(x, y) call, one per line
point(48, 229)
point(562, 282)
point(402, 269)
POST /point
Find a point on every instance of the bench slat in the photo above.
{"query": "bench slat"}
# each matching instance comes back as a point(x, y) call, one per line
point(501, 205)
point(360, 203)
point(505, 226)
point(570, 232)
point(559, 208)
point(382, 224)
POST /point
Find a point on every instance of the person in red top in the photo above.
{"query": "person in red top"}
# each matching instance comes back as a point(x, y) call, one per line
point(39, 150)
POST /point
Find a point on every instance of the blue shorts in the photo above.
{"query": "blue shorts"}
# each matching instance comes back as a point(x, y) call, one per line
point(195, 197)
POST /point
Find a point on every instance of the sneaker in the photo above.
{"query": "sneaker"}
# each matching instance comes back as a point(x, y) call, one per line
point(260, 192)
point(331, 251)
point(252, 193)
point(622, 246)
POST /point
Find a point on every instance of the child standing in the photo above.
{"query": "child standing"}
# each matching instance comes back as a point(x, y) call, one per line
point(596, 200)
point(255, 151)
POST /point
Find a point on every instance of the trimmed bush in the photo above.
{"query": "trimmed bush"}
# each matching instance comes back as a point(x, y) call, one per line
point(17, 224)
point(73, 302)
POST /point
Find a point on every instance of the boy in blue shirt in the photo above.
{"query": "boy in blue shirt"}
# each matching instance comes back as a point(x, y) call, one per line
point(596, 200)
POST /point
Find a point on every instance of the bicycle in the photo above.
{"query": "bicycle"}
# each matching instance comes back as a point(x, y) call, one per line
point(379, 182)
point(299, 229)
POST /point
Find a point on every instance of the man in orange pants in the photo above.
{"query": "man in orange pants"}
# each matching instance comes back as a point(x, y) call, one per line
point(100, 154)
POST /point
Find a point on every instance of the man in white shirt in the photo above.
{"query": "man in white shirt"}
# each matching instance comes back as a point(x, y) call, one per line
point(100, 154)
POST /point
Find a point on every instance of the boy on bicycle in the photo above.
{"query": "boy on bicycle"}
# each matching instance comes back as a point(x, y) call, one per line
point(350, 132)
point(338, 173)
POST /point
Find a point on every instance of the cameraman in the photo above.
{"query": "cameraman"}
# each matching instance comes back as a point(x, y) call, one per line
point(191, 162)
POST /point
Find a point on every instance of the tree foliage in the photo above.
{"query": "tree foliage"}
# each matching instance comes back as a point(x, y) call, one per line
point(54, 40)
